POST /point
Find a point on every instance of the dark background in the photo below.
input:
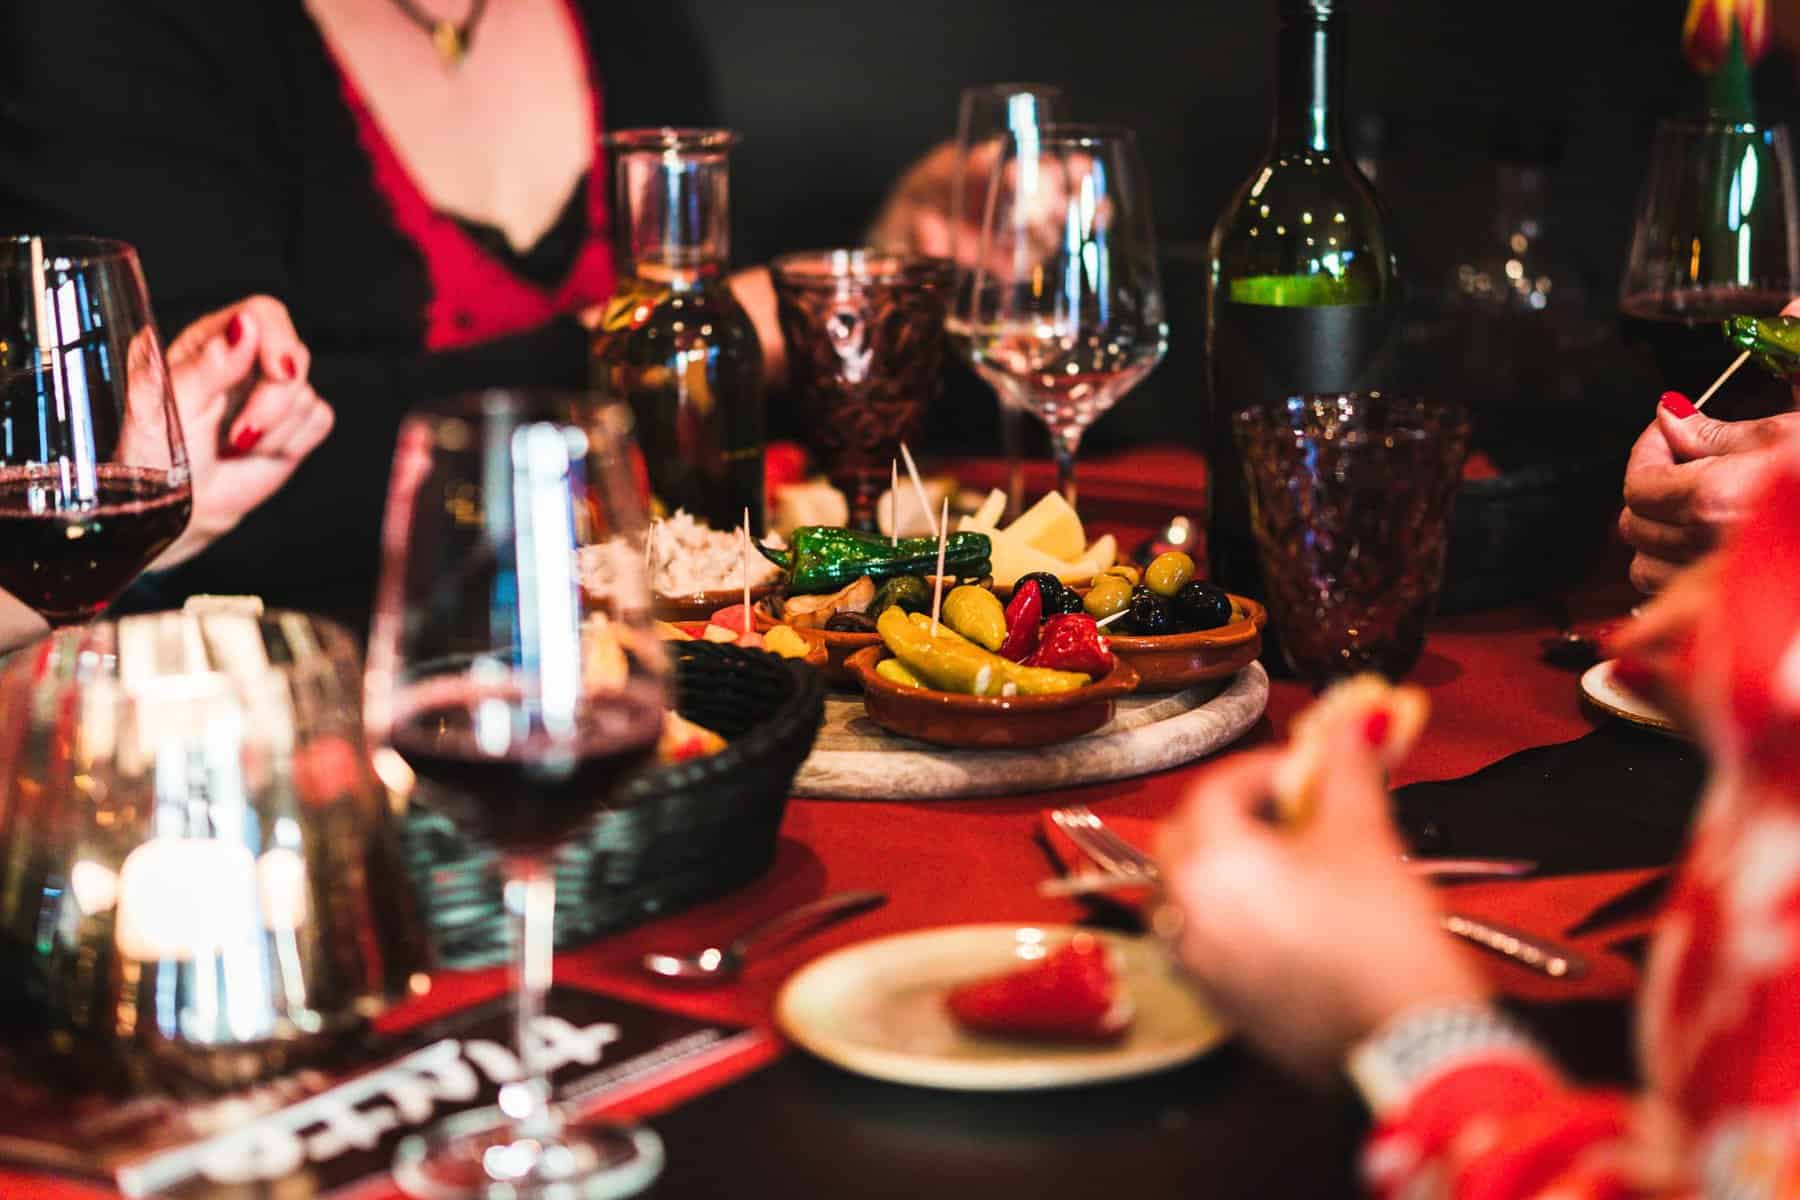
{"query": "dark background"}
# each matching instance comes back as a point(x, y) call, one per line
point(835, 99)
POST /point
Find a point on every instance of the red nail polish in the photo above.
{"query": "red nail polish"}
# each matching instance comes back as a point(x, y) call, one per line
point(289, 368)
point(246, 439)
point(1678, 405)
point(234, 331)
point(1376, 726)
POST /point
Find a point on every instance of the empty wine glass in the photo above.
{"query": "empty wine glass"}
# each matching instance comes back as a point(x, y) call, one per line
point(1715, 235)
point(985, 115)
point(520, 702)
point(93, 473)
point(1065, 310)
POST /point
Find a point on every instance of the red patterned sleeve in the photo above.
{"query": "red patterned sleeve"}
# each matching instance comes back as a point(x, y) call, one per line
point(1501, 1127)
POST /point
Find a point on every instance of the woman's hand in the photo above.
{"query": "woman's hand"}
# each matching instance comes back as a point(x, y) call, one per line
point(246, 351)
point(1688, 482)
point(1305, 939)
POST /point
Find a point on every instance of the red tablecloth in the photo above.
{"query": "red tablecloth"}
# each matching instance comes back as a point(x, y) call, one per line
point(976, 860)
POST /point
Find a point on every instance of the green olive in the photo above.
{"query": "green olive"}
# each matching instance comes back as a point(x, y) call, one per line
point(1127, 572)
point(1169, 573)
point(907, 591)
point(1109, 594)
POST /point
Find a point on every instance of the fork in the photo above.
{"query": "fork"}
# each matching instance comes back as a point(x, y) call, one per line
point(1116, 856)
point(1119, 858)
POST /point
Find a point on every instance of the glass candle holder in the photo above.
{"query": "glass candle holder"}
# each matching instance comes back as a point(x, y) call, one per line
point(1350, 498)
point(865, 338)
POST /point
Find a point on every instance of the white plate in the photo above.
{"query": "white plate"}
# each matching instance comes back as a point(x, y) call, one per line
point(877, 1008)
point(1605, 694)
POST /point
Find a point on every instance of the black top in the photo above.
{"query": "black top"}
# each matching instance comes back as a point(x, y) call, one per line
point(213, 135)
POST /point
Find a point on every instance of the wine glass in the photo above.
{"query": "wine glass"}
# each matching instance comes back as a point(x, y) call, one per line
point(1065, 311)
point(985, 115)
point(1715, 235)
point(93, 473)
point(521, 703)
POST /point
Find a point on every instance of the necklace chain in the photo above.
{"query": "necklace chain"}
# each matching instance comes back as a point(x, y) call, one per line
point(451, 40)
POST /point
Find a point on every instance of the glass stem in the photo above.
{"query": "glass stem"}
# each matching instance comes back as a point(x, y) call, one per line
point(1012, 445)
point(531, 905)
point(1064, 442)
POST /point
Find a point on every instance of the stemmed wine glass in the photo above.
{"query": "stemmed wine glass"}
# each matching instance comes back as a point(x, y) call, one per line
point(520, 702)
point(1715, 235)
point(985, 115)
point(1065, 311)
point(93, 473)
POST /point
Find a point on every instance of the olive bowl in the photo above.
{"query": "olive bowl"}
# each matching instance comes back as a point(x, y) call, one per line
point(1171, 662)
point(987, 722)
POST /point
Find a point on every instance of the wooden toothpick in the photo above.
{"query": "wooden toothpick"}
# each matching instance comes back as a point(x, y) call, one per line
point(1718, 383)
point(746, 569)
point(937, 592)
point(894, 501)
point(912, 469)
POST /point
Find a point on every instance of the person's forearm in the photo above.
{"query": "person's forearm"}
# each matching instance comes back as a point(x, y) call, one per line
point(756, 292)
point(19, 624)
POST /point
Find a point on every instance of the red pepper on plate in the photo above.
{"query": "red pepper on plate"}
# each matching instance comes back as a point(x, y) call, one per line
point(1023, 613)
point(1072, 642)
point(1071, 994)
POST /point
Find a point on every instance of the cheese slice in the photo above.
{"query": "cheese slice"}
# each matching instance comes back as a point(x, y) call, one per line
point(1051, 526)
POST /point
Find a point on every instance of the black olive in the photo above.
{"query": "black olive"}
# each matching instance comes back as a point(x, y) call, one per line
point(849, 622)
point(1200, 605)
point(1150, 614)
point(1058, 597)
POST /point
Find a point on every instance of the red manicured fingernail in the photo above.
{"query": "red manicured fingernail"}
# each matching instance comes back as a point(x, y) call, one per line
point(289, 368)
point(1634, 675)
point(234, 332)
point(1375, 728)
point(246, 439)
point(1678, 405)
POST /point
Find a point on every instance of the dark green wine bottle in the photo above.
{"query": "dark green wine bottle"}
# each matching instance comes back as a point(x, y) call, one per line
point(1303, 291)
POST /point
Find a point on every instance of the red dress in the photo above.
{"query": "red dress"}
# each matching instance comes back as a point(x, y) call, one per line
point(1720, 1011)
point(472, 297)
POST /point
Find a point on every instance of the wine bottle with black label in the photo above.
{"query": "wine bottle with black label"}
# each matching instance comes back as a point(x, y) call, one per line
point(1303, 293)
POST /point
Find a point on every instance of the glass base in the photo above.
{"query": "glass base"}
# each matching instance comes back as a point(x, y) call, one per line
point(482, 1156)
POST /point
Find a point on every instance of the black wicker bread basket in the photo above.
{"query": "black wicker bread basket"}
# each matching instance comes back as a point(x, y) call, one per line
point(675, 835)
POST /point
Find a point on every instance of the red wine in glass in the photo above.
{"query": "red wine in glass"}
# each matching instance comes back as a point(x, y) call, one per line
point(69, 563)
point(1679, 332)
point(94, 479)
point(530, 792)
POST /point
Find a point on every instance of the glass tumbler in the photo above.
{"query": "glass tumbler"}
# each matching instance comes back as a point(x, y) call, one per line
point(1350, 499)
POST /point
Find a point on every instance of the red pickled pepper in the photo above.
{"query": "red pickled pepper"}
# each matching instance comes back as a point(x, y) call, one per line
point(1023, 614)
point(1072, 642)
point(1072, 993)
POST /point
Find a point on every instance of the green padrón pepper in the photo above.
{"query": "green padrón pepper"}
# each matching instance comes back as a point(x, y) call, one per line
point(825, 558)
point(1773, 342)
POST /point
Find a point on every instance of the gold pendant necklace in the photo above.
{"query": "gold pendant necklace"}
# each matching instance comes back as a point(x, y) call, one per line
point(449, 39)
point(449, 42)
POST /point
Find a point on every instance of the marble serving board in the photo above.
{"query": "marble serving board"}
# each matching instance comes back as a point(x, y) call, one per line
point(855, 759)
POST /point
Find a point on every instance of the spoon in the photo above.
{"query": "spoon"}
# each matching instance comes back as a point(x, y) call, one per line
point(721, 964)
